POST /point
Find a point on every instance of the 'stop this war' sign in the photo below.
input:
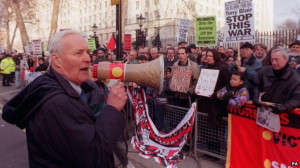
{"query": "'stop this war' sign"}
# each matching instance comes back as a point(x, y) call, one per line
point(239, 20)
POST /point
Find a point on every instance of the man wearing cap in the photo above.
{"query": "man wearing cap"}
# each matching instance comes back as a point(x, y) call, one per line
point(162, 52)
point(294, 55)
point(248, 65)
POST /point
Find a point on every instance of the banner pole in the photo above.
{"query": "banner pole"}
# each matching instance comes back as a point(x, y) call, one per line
point(239, 56)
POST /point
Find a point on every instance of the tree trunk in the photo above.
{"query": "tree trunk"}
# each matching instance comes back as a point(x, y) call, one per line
point(20, 22)
point(13, 37)
point(7, 20)
point(8, 46)
point(54, 18)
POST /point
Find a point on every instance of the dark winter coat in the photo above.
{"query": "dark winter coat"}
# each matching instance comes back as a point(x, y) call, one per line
point(283, 90)
point(214, 107)
point(61, 129)
point(252, 67)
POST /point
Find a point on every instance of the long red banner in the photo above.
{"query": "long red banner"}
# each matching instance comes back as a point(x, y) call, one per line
point(252, 146)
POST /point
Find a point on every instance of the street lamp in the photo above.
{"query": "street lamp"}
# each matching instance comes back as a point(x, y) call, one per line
point(94, 28)
point(140, 34)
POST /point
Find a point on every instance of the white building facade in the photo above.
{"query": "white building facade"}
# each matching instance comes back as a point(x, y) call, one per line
point(161, 16)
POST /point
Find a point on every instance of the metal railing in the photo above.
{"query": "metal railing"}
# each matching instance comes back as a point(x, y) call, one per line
point(269, 38)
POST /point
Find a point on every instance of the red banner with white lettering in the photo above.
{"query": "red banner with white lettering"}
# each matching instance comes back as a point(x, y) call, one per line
point(250, 145)
point(127, 42)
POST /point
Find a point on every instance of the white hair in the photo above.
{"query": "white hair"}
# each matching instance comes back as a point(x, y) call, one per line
point(153, 50)
point(56, 45)
point(283, 51)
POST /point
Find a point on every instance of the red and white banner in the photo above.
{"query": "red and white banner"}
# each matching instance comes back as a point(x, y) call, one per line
point(250, 145)
point(149, 142)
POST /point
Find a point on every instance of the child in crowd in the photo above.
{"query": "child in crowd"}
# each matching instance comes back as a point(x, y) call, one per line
point(236, 92)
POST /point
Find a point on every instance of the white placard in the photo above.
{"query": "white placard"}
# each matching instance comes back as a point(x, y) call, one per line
point(183, 30)
point(298, 37)
point(207, 82)
point(37, 48)
point(267, 119)
point(239, 21)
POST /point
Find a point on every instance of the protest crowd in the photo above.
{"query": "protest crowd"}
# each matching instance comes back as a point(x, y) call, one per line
point(257, 74)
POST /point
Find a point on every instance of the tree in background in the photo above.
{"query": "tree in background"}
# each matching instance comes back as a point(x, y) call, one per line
point(54, 20)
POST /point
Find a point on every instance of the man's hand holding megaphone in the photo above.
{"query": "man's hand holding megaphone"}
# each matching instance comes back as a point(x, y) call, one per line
point(117, 96)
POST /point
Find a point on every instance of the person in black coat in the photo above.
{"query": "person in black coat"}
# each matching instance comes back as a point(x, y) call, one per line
point(215, 108)
point(42, 66)
point(61, 128)
point(279, 84)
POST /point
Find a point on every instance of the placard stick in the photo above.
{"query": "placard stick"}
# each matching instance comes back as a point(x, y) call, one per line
point(239, 56)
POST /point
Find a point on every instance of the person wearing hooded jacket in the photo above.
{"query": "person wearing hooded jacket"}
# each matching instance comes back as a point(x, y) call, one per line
point(61, 128)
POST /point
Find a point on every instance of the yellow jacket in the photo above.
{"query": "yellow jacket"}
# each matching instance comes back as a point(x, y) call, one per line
point(4, 65)
point(12, 64)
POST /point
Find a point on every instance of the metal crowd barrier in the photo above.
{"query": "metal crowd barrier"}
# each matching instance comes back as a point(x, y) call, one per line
point(207, 139)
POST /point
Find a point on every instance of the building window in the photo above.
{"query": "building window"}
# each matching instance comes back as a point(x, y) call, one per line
point(146, 16)
point(105, 15)
point(112, 13)
point(136, 16)
point(156, 2)
point(105, 4)
point(112, 23)
point(137, 5)
point(156, 15)
point(147, 3)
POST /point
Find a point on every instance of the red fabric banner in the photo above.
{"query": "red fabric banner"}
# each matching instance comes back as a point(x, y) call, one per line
point(127, 42)
point(252, 146)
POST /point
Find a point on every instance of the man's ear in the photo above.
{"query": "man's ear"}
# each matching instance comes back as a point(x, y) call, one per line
point(56, 60)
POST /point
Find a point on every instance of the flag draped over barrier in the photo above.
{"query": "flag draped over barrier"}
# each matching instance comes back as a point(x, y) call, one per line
point(149, 142)
point(250, 145)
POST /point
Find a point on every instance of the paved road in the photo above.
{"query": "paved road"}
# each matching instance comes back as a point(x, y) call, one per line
point(13, 148)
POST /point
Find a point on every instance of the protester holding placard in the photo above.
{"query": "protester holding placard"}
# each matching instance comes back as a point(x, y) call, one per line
point(248, 65)
point(185, 75)
point(214, 107)
point(211, 105)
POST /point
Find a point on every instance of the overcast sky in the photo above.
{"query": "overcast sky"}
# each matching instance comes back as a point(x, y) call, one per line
point(285, 9)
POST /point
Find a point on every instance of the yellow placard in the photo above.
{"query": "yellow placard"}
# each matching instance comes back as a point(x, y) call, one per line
point(115, 2)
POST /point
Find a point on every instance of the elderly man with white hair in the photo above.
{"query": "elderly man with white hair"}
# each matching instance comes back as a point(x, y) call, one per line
point(61, 128)
point(279, 83)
